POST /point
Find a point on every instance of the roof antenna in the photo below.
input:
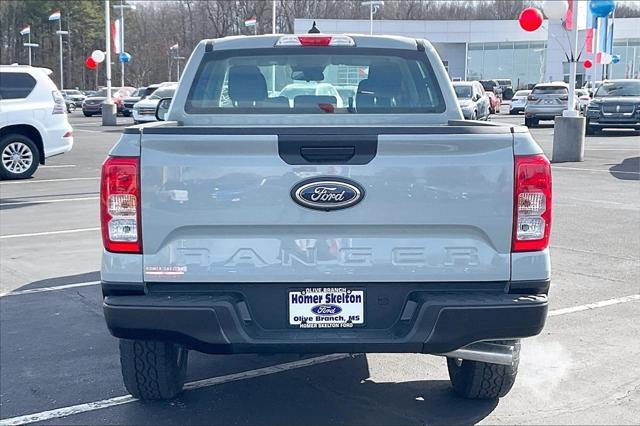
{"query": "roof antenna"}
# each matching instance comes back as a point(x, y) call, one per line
point(314, 29)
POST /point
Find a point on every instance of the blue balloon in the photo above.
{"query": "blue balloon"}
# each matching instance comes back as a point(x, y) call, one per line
point(602, 8)
point(124, 57)
point(615, 59)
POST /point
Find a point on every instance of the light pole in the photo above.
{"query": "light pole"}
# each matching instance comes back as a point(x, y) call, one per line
point(122, 6)
point(109, 112)
point(178, 58)
point(57, 16)
point(374, 5)
point(27, 31)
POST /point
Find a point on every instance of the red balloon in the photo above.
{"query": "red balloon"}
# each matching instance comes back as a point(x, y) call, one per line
point(530, 19)
point(90, 63)
point(587, 64)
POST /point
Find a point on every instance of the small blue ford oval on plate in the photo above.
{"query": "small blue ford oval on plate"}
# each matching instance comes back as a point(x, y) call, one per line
point(326, 309)
point(327, 193)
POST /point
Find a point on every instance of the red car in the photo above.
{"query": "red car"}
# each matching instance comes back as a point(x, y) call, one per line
point(494, 103)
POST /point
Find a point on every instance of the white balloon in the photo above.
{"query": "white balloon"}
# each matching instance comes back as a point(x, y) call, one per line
point(98, 56)
point(555, 9)
point(606, 58)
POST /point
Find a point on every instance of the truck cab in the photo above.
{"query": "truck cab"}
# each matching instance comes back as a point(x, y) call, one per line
point(249, 222)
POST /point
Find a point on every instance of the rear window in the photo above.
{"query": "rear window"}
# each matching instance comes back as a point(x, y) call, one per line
point(463, 91)
point(550, 90)
point(314, 80)
point(522, 93)
point(16, 85)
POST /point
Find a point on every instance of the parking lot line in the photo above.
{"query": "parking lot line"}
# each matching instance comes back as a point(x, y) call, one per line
point(588, 306)
point(584, 169)
point(58, 166)
point(46, 289)
point(57, 200)
point(39, 234)
point(14, 182)
point(125, 399)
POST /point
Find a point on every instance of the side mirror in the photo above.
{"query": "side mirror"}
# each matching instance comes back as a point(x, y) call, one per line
point(162, 109)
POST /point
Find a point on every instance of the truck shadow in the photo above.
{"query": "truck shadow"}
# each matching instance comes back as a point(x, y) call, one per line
point(338, 393)
point(629, 169)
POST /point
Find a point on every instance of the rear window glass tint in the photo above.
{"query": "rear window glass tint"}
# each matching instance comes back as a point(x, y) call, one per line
point(315, 80)
point(16, 85)
point(550, 90)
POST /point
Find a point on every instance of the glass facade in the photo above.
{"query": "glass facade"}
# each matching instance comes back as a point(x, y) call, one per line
point(629, 52)
point(522, 62)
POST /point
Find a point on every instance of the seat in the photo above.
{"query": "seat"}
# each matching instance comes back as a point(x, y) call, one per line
point(247, 85)
point(380, 89)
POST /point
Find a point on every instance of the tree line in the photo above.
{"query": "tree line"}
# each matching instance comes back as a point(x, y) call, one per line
point(153, 27)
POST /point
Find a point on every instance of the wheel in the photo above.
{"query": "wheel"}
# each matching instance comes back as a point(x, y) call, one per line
point(87, 114)
point(512, 112)
point(19, 157)
point(527, 122)
point(474, 116)
point(126, 114)
point(481, 380)
point(153, 370)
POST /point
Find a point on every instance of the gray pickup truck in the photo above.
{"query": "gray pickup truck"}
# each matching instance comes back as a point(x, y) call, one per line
point(253, 222)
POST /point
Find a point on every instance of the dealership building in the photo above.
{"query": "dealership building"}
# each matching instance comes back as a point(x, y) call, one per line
point(476, 50)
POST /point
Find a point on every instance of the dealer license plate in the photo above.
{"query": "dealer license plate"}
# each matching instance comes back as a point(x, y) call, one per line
point(326, 308)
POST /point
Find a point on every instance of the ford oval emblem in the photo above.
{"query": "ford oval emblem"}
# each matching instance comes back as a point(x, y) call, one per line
point(327, 193)
point(326, 309)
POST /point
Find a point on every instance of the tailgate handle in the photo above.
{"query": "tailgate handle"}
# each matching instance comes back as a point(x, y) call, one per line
point(328, 154)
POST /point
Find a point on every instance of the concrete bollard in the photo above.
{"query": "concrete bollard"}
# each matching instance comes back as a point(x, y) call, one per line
point(109, 114)
point(568, 139)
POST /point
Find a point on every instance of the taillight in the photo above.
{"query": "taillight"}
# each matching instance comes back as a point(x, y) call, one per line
point(532, 98)
point(120, 205)
point(58, 103)
point(532, 203)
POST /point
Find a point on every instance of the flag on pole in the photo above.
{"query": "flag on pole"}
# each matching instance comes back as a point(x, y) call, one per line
point(174, 47)
point(116, 35)
point(55, 15)
point(26, 30)
point(251, 22)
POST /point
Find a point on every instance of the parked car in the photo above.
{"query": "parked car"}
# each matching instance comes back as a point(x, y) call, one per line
point(93, 105)
point(129, 101)
point(491, 86)
point(395, 226)
point(145, 110)
point(583, 99)
point(33, 121)
point(546, 102)
point(75, 96)
point(506, 87)
point(616, 105)
point(519, 101)
point(293, 90)
point(472, 99)
point(494, 103)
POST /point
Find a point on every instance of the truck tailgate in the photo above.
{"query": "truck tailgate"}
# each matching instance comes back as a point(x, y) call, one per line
point(216, 207)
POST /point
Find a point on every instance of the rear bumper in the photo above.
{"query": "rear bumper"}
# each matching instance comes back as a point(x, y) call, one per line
point(252, 318)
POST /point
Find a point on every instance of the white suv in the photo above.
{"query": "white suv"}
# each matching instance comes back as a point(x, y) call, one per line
point(33, 120)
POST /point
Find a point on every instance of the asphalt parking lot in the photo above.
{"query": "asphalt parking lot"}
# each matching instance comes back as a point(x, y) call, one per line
point(61, 366)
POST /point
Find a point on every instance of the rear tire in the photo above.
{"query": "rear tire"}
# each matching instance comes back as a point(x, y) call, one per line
point(19, 157)
point(481, 380)
point(153, 370)
point(86, 114)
